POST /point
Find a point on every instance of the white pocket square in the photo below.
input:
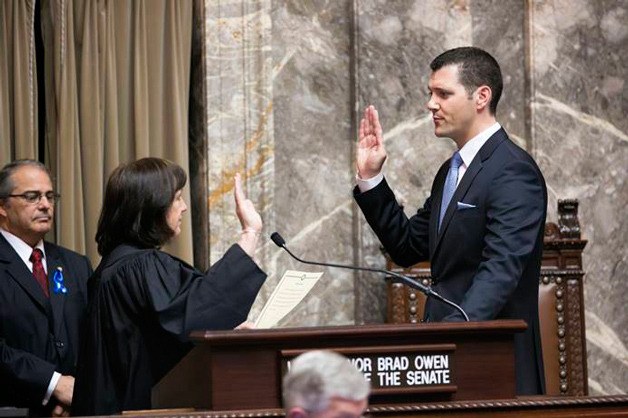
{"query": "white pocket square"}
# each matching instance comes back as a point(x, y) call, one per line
point(462, 206)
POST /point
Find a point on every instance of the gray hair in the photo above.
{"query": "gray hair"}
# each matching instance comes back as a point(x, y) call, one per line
point(6, 183)
point(317, 376)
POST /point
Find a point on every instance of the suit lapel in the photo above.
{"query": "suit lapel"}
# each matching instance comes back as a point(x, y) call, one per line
point(461, 190)
point(437, 198)
point(11, 262)
point(57, 300)
point(467, 181)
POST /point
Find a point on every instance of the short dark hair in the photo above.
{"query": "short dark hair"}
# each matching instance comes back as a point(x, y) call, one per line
point(6, 182)
point(137, 198)
point(476, 68)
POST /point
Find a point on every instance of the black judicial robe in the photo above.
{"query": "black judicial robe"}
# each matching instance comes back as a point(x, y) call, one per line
point(143, 305)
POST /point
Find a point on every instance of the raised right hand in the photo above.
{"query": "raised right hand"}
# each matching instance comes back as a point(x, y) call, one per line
point(250, 219)
point(370, 154)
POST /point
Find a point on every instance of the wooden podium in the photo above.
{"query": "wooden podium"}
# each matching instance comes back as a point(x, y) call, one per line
point(406, 363)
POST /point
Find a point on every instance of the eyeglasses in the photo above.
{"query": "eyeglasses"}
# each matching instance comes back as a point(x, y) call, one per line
point(33, 197)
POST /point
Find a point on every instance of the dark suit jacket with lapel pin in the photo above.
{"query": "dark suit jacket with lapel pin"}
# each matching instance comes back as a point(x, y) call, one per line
point(487, 254)
point(38, 335)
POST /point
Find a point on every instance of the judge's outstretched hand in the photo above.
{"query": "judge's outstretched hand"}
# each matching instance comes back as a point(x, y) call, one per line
point(250, 219)
point(371, 154)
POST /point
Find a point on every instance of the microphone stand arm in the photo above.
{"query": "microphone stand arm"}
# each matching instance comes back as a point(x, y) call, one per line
point(426, 290)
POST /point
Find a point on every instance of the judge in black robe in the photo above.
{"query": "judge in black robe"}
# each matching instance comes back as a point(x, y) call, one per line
point(145, 302)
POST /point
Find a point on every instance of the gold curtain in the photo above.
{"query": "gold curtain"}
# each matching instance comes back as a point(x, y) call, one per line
point(18, 85)
point(117, 90)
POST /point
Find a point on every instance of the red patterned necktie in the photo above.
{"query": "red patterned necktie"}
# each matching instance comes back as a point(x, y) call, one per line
point(38, 270)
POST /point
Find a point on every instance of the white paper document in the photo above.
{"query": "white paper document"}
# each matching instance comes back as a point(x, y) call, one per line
point(290, 291)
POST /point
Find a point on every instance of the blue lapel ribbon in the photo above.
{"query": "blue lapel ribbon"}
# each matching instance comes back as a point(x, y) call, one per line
point(58, 282)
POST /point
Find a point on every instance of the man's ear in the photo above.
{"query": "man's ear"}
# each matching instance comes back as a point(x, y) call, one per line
point(3, 212)
point(296, 412)
point(483, 97)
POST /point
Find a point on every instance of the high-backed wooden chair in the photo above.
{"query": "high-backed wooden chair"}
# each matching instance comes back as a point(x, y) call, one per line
point(561, 303)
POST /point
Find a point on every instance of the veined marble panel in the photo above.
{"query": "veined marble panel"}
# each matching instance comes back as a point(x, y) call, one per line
point(580, 56)
point(580, 139)
point(312, 119)
point(239, 116)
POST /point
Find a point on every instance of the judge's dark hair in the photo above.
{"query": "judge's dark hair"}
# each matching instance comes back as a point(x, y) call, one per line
point(476, 68)
point(137, 198)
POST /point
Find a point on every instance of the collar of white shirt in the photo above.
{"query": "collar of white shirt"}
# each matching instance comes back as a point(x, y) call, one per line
point(471, 148)
point(23, 249)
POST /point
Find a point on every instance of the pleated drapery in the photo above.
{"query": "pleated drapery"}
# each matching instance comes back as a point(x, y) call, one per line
point(116, 87)
point(18, 81)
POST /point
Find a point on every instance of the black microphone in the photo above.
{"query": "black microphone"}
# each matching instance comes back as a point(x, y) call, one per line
point(427, 290)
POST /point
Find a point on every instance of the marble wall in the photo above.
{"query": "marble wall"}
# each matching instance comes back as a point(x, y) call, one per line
point(284, 82)
point(580, 139)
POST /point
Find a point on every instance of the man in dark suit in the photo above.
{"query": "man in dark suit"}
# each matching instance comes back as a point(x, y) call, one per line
point(43, 295)
point(482, 226)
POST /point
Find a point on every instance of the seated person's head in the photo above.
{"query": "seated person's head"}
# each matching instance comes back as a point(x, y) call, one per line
point(324, 384)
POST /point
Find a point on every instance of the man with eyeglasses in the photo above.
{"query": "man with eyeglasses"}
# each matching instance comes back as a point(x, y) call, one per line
point(43, 295)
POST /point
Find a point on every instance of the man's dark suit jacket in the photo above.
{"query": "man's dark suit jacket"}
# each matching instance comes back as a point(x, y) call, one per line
point(486, 257)
point(38, 335)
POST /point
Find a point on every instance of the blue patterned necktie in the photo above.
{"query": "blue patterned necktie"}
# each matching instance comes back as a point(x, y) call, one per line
point(450, 185)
